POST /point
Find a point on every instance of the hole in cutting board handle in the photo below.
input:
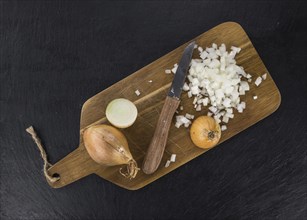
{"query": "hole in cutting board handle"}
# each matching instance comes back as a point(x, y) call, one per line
point(56, 175)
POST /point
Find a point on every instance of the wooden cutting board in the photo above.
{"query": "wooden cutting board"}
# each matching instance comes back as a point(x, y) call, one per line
point(153, 84)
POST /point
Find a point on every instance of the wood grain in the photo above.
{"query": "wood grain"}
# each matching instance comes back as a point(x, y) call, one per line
point(78, 164)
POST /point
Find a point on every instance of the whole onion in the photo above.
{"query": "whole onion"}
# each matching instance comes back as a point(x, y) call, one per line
point(108, 146)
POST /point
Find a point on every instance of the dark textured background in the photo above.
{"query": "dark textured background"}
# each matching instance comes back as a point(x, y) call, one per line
point(54, 56)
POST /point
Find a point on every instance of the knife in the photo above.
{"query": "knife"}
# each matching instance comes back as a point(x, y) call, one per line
point(157, 145)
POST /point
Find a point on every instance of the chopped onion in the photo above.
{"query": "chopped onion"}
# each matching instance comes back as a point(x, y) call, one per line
point(168, 162)
point(223, 127)
point(204, 55)
point(180, 120)
point(255, 97)
point(137, 92)
point(184, 120)
point(215, 80)
point(168, 71)
point(243, 104)
point(178, 124)
point(229, 115)
point(235, 49)
point(175, 68)
point(217, 119)
point(213, 109)
point(229, 110)
point(189, 116)
point(227, 102)
point(173, 158)
point(225, 119)
point(185, 87)
point(205, 101)
point(199, 101)
point(195, 100)
point(240, 107)
point(264, 76)
point(258, 81)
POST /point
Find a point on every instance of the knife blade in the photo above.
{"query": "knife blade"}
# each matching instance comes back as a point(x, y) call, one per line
point(156, 147)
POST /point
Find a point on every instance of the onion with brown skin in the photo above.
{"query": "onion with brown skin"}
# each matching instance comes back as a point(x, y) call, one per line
point(108, 146)
point(205, 132)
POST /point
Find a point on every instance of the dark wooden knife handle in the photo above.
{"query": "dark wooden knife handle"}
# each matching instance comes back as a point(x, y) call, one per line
point(156, 148)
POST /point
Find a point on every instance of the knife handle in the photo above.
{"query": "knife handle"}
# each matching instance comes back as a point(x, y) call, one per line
point(157, 145)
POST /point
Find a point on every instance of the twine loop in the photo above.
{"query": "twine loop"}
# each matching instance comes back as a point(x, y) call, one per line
point(38, 143)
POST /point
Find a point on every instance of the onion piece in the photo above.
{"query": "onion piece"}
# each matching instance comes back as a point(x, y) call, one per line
point(264, 76)
point(185, 87)
point(258, 81)
point(137, 92)
point(195, 100)
point(178, 124)
point(168, 162)
point(121, 113)
point(189, 116)
point(174, 68)
point(173, 158)
point(235, 49)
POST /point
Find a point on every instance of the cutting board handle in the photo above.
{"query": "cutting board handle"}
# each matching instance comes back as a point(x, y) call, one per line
point(74, 166)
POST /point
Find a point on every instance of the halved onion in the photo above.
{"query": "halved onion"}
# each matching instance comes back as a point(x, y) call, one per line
point(121, 113)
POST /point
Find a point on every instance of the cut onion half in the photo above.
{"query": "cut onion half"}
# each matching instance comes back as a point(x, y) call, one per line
point(121, 113)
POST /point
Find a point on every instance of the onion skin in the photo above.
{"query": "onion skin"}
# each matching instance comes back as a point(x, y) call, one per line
point(205, 132)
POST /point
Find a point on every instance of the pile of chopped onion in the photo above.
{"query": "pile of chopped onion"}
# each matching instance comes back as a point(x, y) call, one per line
point(216, 82)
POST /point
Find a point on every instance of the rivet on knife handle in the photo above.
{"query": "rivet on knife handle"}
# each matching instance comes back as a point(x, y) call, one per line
point(158, 142)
